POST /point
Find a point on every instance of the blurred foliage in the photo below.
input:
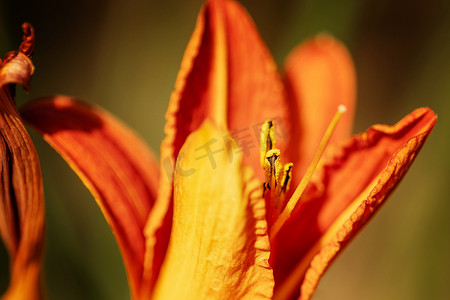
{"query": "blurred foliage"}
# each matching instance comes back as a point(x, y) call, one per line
point(124, 56)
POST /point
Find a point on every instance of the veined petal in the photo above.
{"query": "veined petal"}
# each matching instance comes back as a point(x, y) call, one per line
point(188, 108)
point(356, 177)
point(319, 77)
point(226, 67)
point(114, 164)
point(21, 192)
point(219, 243)
point(228, 77)
point(255, 88)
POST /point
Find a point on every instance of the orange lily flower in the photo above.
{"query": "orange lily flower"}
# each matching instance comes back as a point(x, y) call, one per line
point(209, 223)
point(21, 191)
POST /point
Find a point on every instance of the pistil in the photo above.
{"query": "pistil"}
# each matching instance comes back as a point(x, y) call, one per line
point(286, 213)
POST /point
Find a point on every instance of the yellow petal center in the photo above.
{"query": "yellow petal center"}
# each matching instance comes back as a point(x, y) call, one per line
point(219, 246)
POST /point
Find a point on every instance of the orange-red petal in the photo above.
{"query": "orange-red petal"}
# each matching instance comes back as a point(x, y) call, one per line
point(21, 192)
point(356, 177)
point(228, 77)
point(114, 164)
point(219, 247)
point(188, 107)
point(255, 89)
point(319, 76)
point(225, 61)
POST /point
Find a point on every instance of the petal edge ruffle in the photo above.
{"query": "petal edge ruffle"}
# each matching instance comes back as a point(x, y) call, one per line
point(349, 169)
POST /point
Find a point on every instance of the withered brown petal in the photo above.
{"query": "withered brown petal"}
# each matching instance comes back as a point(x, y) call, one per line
point(21, 191)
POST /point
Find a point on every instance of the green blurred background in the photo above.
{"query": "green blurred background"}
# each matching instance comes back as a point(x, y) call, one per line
point(124, 56)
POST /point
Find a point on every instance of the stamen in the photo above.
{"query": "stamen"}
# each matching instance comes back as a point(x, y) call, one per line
point(272, 167)
point(309, 172)
point(267, 140)
point(287, 176)
point(277, 177)
point(282, 188)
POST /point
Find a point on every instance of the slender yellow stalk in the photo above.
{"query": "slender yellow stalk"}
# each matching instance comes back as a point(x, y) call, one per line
point(286, 213)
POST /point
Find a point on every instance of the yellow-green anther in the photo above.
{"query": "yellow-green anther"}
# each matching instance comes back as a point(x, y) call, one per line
point(286, 177)
point(267, 140)
point(272, 167)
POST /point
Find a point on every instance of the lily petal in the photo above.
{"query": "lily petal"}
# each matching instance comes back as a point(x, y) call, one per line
point(228, 77)
point(21, 191)
point(356, 177)
point(227, 72)
point(113, 163)
point(219, 246)
point(319, 77)
point(255, 88)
